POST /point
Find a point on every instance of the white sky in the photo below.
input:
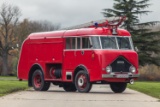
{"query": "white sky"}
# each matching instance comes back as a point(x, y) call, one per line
point(72, 12)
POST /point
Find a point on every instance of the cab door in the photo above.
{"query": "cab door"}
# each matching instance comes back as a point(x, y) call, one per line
point(84, 52)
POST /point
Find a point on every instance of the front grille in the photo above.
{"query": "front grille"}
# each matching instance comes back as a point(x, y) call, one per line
point(120, 65)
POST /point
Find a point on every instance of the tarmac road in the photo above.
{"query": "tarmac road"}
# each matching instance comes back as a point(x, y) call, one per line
point(99, 96)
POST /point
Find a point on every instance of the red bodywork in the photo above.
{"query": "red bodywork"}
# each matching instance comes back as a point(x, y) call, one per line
point(47, 50)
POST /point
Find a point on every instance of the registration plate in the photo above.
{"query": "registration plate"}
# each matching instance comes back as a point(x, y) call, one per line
point(122, 76)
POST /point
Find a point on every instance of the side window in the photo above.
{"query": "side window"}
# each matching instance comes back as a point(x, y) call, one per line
point(95, 42)
point(78, 43)
point(85, 43)
point(68, 45)
point(73, 42)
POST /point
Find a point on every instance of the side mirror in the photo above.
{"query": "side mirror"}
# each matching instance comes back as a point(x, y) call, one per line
point(136, 49)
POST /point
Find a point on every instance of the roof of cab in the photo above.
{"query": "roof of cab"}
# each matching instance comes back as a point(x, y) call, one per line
point(77, 32)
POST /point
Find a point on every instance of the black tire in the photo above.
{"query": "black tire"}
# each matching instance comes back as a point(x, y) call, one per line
point(69, 87)
point(118, 87)
point(38, 81)
point(82, 82)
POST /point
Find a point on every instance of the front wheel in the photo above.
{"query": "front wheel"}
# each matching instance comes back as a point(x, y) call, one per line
point(118, 87)
point(82, 82)
point(38, 81)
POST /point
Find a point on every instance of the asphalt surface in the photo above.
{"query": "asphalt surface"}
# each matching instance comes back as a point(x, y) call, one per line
point(99, 96)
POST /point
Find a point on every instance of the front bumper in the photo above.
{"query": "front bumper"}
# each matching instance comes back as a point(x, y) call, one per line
point(120, 75)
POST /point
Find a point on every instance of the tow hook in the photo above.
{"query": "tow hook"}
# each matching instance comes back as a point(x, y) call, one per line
point(131, 81)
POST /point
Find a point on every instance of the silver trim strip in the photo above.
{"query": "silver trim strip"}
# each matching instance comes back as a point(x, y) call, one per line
point(69, 73)
point(115, 76)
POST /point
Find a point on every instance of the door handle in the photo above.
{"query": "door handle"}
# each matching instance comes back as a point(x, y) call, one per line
point(82, 52)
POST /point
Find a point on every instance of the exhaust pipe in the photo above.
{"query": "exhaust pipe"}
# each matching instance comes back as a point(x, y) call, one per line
point(131, 81)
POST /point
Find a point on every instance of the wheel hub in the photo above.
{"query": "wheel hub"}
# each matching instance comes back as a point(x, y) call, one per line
point(80, 81)
point(37, 81)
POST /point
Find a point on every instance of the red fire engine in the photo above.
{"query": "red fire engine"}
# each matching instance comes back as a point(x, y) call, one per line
point(75, 59)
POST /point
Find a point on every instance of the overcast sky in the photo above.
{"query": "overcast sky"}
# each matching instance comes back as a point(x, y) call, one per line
point(72, 12)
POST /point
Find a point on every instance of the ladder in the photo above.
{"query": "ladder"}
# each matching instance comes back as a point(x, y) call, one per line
point(111, 23)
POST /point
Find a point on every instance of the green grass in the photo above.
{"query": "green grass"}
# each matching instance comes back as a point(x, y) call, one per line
point(11, 84)
point(149, 88)
point(12, 78)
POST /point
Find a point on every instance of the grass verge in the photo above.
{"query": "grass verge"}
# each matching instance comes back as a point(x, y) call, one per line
point(11, 84)
point(149, 88)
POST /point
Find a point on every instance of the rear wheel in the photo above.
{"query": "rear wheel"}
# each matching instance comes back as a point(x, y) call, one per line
point(82, 82)
point(69, 87)
point(38, 81)
point(118, 87)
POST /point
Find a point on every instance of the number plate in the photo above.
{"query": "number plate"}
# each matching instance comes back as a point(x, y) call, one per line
point(122, 76)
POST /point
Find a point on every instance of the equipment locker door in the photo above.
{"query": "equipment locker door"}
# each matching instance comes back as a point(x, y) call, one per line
point(69, 56)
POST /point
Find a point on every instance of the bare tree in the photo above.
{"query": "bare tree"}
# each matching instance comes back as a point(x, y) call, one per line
point(26, 27)
point(9, 16)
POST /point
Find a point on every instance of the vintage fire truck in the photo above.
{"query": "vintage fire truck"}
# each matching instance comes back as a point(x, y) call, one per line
point(77, 58)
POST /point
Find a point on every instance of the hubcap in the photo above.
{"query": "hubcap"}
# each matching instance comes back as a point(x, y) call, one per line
point(37, 81)
point(82, 81)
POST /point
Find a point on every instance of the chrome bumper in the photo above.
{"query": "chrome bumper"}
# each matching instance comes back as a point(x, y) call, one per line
point(120, 75)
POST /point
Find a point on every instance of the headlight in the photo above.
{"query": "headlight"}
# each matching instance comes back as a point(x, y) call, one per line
point(132, 69)
point(108, 69)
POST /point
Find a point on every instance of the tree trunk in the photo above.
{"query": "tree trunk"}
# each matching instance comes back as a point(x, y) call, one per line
point(4, 64)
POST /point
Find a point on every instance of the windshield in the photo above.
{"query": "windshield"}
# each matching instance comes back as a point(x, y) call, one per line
point(112, 42)
point(108, 43)
point(124, 43)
